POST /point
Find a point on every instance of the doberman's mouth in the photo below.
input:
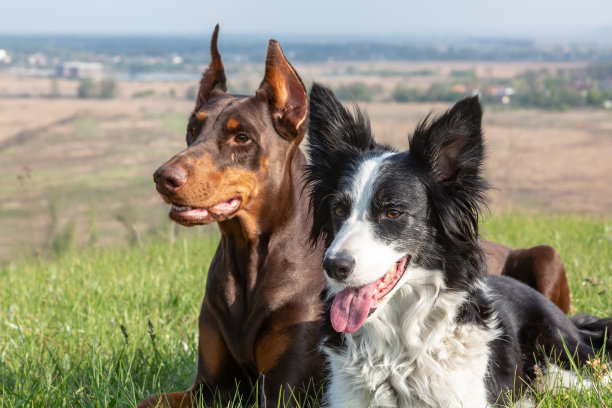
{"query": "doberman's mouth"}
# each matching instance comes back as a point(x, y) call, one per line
point(188, 215)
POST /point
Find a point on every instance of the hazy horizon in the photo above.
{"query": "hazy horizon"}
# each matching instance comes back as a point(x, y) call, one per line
point(389, 20)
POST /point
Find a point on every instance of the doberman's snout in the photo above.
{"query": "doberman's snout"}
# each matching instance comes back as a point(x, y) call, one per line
point(168, 179)
point(339, 266)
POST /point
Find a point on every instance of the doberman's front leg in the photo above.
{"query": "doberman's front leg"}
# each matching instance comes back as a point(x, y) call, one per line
point(289, 361)
point(172, 399)
point(217, 373)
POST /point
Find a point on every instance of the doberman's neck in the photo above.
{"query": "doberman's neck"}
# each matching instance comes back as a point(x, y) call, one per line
point(284, 211)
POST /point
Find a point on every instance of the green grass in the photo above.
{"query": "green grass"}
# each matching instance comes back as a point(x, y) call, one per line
point(61, 336)
point(75, 331)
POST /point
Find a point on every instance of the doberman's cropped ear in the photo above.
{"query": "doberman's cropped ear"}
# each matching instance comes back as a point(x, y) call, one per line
point(213, 80)
point(285, 93)
point(451, 146)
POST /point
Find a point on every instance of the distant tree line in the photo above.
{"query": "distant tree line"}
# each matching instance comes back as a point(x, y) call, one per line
point(545, 90)
point(560, 92)
point(357, 91)
point(104, 89)
point(193, 49)
point(438, 92)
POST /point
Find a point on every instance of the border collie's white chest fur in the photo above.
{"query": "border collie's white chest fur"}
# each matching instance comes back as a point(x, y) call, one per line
point(412, 353)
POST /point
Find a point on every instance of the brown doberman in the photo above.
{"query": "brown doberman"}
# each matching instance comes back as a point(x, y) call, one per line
point(259, 322)
point(242, 168)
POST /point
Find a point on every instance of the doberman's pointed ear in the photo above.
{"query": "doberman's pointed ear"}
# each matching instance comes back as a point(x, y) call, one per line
point(213, 80)
point(285, 93)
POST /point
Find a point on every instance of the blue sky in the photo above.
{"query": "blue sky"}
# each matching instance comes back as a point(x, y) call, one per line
point(561, 19)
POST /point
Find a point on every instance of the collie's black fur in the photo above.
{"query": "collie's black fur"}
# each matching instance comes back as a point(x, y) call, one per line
point(421, 209)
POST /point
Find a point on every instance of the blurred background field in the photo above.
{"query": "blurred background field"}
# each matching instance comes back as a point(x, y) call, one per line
point(77, 166)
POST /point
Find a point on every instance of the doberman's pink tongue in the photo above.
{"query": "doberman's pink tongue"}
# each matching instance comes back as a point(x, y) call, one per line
point(225, 207)
point(351, 307)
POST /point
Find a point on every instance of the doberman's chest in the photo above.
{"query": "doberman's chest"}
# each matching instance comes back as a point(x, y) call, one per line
point(256, 305)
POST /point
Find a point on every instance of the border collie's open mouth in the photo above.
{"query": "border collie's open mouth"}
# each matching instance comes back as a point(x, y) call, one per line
point(352, 306)
point(186, 215)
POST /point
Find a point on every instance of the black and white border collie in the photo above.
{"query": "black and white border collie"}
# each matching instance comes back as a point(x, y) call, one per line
point(413, 318)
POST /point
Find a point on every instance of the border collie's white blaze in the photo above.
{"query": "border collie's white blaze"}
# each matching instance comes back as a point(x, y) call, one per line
point(412, 318)
point(372, 257)
point(377, 265)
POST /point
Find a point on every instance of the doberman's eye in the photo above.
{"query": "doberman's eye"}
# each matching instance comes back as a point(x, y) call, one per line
point(241, 138)
point(393, 213)
point(340, 211)
point(190, 135)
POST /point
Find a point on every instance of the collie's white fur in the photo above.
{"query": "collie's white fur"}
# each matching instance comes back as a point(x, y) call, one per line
point(412, 353)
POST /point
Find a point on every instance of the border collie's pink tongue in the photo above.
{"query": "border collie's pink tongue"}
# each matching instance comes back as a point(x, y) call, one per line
point(351, 307)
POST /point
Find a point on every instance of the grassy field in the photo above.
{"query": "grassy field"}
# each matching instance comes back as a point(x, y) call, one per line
point(107, 327)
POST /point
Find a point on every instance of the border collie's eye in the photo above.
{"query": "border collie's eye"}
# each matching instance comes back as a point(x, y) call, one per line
point(241, 138)
point(340, 211)
point(393, 213)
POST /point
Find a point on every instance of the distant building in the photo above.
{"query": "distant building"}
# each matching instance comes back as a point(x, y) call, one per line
point(78, 70)
point(37, 59)
point(4, 57)
point(500, 90)
point(503, 93)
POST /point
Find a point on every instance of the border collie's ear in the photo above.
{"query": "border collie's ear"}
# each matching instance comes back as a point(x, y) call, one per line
point(213, 81)
point(451, 149)
point(451, 145)
point(335, 137)
point(333, 127)
point(285, 93)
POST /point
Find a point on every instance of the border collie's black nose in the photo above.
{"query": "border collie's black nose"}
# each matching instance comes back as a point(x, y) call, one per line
point(340, 266)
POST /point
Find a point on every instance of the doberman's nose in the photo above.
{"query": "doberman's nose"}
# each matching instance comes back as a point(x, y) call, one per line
point(339, 266)
point(168, 179)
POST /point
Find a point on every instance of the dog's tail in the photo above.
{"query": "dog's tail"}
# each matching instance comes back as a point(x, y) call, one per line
point(581, 338)
point(594, 332)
